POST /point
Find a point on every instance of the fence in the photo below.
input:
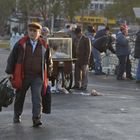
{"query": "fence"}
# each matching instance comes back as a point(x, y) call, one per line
point(110, 61)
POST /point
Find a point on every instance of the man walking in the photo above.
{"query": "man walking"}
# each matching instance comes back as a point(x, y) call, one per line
point(29, 61)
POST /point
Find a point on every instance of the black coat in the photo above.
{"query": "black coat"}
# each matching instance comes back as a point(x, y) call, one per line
point(103, 43)
point(137, 46)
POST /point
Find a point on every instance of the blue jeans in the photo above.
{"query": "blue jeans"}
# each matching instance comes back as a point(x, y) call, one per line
point(97, 60)
point(138, 70)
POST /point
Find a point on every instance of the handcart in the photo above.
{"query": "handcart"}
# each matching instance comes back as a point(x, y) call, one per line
point(61, 51)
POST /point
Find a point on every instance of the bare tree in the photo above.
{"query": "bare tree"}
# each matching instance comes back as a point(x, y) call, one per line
point(6, 8)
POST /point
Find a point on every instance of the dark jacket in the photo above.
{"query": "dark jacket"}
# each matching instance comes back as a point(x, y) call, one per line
point(16, 59)
point(103, 43)
point(122, 44)
point(137, 45)
point(100, 33)
point(82, 50)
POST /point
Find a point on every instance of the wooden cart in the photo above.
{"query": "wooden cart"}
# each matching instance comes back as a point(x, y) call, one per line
point(61, 49)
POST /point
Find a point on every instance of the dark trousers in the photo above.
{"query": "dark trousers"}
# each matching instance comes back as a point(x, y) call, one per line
point(124, 66)
point(81, 75)
point(36, 87)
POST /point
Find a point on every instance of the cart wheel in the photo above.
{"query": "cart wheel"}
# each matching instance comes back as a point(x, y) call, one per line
point(68, 79)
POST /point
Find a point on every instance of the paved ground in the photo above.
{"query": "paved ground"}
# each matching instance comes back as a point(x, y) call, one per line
point(113, 116)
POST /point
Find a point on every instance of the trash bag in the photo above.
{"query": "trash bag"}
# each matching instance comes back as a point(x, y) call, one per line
point(7, 93)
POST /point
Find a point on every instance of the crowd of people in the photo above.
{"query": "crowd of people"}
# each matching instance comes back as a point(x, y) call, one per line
point(102, 40)
point(29, 63)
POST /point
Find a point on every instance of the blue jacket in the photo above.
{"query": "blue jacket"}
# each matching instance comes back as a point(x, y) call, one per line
point(100, 33)
point(122, 44)
point(91, 37)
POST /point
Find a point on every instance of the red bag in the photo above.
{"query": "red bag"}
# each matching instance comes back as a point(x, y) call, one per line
point(16, 81)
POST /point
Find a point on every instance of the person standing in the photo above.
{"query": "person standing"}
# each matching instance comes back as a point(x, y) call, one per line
point(90, 34)
point(45, 32)
point(83, 50)
point(30, 58)
point(123, 52)
point(137, 55)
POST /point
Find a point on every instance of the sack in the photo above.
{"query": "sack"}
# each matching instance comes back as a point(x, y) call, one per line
point(6, 93)
point(46, 101)
point(16, 81)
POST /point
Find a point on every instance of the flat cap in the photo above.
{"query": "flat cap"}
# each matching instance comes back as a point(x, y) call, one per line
point(35, 25)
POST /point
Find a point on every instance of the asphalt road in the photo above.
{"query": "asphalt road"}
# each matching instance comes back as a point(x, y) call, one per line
point(113, 116)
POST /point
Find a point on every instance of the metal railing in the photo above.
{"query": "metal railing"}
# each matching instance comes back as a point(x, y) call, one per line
point(110, 61)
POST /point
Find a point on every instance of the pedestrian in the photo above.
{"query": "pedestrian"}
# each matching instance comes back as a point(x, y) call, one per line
point(137, 55)
point(30, 58)
point(90, 34)
point(67, 30)
point(45, 32)
point(83, 50)
point(123, 53)
point(97, 53)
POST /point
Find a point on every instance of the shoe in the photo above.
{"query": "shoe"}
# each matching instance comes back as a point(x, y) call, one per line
point(37, 123)
point(75, 87)
point(97, 74)
point(130, 78)
point(83, 88)
point(100, 73)
point(103, 73)
point(17, 119)
point(120, 78)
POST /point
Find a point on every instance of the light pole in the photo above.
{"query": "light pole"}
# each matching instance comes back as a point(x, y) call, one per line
point(82, 12)
point(52, 23)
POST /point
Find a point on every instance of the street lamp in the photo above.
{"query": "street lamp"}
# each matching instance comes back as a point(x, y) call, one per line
point(82, 12)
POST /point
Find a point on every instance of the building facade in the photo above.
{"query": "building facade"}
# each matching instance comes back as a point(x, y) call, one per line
point(97, 6)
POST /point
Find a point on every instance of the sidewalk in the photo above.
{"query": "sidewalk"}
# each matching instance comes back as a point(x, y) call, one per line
point(113, 116)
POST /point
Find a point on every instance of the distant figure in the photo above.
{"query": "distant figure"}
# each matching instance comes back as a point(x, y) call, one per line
point(14, 38)
point(45, 32)
point(123, 52)
point(90, 34)
point(67, 30)
point(97, 53)
point(83, 50)
point(137, 55)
